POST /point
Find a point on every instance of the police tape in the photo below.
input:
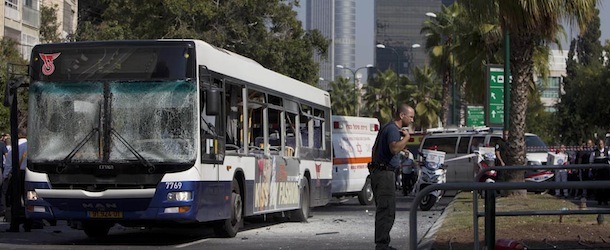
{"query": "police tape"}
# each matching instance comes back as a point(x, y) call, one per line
point(461, 157)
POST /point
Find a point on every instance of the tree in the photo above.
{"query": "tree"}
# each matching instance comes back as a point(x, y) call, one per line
point(266, 31)
point(342, 97)
point(9, 54)
point(529, 24)
point(425, 91)
point(584, 87)
point(381, 96)
point(48, 24)
point(440, 33)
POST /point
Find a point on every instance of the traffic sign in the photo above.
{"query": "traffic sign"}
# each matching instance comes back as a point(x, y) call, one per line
point(475, 116)
point(495, 96)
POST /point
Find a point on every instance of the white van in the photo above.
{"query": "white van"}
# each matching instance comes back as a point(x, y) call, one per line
point(353, 139)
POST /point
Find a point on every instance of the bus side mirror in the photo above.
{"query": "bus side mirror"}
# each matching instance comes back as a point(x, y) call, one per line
point(212, 102)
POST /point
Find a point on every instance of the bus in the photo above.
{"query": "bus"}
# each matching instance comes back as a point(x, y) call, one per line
point(353, 139)
point(166, 133)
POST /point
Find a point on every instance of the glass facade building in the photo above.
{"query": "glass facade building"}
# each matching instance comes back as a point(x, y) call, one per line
point(336, 20)
point(320, 15)
point(397, 26)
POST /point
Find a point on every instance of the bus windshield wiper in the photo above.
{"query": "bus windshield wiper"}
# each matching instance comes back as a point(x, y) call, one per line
point(146, 163)
point(80, 145)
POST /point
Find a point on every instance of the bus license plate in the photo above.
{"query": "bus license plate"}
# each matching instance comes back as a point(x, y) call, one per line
point(105, 214)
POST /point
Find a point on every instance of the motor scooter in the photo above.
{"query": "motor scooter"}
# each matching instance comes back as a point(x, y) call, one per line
point(485, 159)
point(431, 171)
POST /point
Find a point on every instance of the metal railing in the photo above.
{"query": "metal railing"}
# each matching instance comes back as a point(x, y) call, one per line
point(490, 202)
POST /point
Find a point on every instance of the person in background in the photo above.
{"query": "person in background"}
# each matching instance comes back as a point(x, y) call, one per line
point(561, 175)
point(4, 152)
point(23, 152)
point(600, 155)
point(501, 148)
point(409, 173)
point(390, 141)
point(583, 157)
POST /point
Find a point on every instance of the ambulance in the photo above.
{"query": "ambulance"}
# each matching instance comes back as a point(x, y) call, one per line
point(353, 139)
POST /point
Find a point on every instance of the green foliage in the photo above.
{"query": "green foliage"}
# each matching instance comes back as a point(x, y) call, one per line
point(48, 24)
point(343, 97)
point(381, 96)
point(266, 31)
point(584, 106)
point(9, 54)
point(425, 92)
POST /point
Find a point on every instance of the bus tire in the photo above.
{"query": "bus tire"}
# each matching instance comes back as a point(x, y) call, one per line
point(301, 214)
point(96, 229)
point(365, 197)
point(229, 227)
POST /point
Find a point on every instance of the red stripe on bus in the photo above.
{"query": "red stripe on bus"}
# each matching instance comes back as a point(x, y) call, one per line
point(352, 160)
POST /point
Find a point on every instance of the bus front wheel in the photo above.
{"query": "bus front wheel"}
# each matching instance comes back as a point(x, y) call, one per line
point(230, 226)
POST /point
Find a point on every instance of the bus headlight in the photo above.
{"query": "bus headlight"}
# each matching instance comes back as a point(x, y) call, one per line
point(179, 196)
point(31, 195)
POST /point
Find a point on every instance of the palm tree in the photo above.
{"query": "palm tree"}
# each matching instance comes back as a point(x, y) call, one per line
point(425, 93)
point(529, 24)
point(342, 97)
point(440, 36)
point(381, 96)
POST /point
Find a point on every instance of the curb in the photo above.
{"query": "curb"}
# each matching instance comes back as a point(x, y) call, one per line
point(430, 237)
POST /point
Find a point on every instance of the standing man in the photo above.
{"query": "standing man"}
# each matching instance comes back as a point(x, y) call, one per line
point(501, 148)
point(600, 155)
point(386, 159)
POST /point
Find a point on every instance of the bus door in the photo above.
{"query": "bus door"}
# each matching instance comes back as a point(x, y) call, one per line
point(212, 125)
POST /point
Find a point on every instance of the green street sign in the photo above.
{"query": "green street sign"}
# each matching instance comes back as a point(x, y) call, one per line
point(495, 96)
point(475, 116)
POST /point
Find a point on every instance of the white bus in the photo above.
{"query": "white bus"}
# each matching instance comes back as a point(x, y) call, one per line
point(169, 133)
point(353, 140)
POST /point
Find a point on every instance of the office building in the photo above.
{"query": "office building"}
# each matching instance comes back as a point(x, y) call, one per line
point(397, 27)
point(336, 20)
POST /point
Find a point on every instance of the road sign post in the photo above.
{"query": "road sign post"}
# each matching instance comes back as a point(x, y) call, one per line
point(494, 108)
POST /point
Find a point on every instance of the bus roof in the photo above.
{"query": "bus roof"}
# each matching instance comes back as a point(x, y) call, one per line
point(246, 69)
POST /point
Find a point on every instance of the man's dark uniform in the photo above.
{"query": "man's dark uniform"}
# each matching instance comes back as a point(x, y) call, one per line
point(382, 180)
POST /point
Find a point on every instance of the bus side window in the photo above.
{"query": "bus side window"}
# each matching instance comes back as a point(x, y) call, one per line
point(256, 102)
point(290, 131)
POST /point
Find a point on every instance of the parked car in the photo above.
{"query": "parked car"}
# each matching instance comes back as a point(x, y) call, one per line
point(464, 141)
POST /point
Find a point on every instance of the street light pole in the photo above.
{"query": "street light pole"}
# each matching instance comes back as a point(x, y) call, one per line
point(409, 60)
point(356, 89)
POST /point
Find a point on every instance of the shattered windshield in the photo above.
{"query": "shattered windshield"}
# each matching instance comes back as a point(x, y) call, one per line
point(156, 119)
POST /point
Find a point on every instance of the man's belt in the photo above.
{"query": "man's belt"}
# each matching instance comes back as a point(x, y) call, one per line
point(380, 166)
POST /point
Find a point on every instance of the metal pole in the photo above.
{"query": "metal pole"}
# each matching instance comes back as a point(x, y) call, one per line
point(356, 94)
point(15, 181)
point(453, 88)
point(490, 218)
point(507, 81)
point(396, 70)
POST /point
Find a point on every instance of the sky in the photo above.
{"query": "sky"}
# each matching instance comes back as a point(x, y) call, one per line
point(365, 31)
